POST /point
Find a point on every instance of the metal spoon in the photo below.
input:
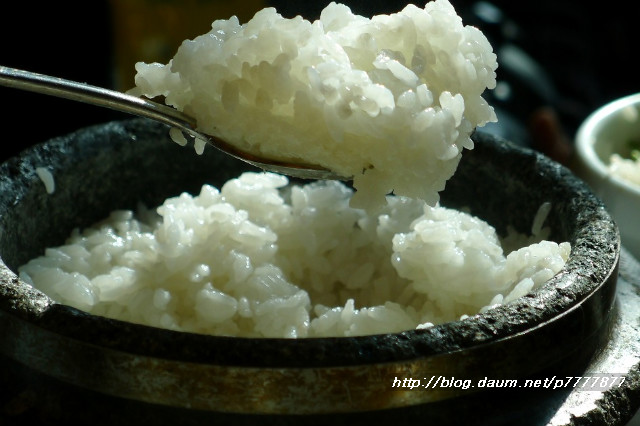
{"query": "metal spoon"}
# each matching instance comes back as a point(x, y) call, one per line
point(44, 84)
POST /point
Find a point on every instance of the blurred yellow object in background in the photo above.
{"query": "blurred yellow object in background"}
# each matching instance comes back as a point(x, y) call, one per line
point(152, 30)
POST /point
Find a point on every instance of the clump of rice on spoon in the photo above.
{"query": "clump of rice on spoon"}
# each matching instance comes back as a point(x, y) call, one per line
point(391, 100)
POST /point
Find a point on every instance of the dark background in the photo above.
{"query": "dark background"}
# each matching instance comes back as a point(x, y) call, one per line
point(583, 55)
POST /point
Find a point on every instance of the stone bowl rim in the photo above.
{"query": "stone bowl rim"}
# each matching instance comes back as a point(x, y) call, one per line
point(482, 329)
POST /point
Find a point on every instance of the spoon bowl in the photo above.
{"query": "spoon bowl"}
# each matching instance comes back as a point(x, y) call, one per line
point(82, 92)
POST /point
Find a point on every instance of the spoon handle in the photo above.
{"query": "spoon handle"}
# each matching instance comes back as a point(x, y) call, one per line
point(54, 86)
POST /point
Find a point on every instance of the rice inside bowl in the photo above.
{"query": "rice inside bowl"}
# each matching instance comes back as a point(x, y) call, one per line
point(627, 169)
point(262, 258)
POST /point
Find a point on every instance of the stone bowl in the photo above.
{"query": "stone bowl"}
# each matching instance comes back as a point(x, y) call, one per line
point(102, 370)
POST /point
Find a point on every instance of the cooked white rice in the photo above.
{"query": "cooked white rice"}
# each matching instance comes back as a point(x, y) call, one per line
point(390, 100)
point(47, 179)
point(261, 258)
point(396, 96)
point(627, 169)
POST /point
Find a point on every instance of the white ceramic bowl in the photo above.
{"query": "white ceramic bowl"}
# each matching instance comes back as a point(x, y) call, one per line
point(606, 131)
